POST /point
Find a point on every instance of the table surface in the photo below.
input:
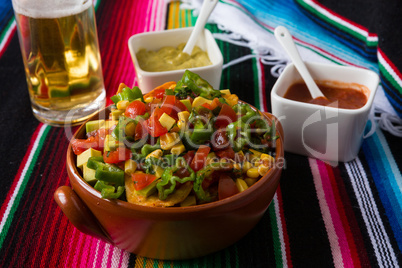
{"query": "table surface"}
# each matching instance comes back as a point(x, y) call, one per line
point(348, 215)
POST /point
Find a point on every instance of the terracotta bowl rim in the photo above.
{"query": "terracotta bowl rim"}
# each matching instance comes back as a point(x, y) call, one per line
point(236, 200)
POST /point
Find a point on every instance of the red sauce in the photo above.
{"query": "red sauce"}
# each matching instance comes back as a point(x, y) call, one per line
point(346, 96)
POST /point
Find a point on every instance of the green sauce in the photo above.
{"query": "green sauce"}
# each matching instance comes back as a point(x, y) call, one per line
point(171, 58)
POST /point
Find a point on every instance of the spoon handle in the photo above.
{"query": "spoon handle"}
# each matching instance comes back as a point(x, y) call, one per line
point(286, 40)
point(206, 9)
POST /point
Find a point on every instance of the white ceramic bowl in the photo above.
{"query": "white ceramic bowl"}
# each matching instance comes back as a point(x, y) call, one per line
point(326, 133)
point(156, 40)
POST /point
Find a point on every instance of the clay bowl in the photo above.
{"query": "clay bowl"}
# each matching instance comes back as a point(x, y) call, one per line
point(167, 233)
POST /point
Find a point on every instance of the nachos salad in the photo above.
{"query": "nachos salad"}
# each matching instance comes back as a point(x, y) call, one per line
point(182, 144)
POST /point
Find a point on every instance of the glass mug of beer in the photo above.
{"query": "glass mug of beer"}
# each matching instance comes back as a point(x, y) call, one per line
point(59, 45)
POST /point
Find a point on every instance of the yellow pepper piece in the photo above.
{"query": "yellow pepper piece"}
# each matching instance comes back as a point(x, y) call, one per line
point(157, 154)
point(178, 149)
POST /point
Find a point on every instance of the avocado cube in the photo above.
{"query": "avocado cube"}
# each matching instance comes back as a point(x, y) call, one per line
point(111, 143)
point(167, 121)
point(82, 158)
point(149, 190)
point(116, 114)
point(94, 125)
point(89, 174)
point(187, 103)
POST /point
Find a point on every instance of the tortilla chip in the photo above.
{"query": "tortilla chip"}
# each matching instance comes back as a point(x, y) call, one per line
point(153, 200)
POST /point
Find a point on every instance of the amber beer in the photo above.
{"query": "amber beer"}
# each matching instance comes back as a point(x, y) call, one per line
point(60, 50)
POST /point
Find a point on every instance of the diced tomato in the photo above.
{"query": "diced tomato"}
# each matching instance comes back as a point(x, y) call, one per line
point(220, 140)
point(140, 131)
point(142, 180)
point(226, 187)
point(226, 153)
point(206, 105)
point(135, 108)
point(153, 126)
point(200, 157)
point(189, 156)
point(226, 116)
point(168, 104)
point(178, 107)
point(113, 157)
point(95, 141)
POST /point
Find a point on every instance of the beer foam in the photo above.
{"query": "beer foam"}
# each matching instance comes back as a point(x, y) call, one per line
point(50, 8)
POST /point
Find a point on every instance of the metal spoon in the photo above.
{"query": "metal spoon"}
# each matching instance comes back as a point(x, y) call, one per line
point(286, 40)
point(206, 10)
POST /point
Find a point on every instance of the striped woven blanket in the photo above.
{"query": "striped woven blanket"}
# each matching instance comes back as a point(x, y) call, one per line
point(349, 215)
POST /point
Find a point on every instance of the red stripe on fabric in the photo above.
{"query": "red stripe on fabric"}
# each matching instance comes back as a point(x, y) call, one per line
point(65, 242)
point(19, 172)
point(59, 239)
point(26, 240)
point(41, 195)
point(8, 41)
point(342, 215)
point(72, 246)
point(333, 13)
point(47, 234)
point(355, 238)
point(263, 89)
point(389, 62)
point(284, 228)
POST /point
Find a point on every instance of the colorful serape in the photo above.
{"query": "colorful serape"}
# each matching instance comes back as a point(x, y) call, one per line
point(349, 215)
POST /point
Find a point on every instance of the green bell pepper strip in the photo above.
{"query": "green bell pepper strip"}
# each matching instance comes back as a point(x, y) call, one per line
point(197, 85)
point(109, 191)
point(128, 94)
point(119, 132)
point(168, 181)
point(147, 148)
point(106, 172)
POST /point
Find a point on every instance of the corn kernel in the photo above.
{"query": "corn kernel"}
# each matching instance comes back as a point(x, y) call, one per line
point(250, 181)
point(262, 169)
point(246, 166)
point(178, 149)
point(253, 173)
point(149, 99)
point(122, 105)
point(241, 185)
point(157, 154)
point(130, 166)
point(168, 140)
point(183, 118)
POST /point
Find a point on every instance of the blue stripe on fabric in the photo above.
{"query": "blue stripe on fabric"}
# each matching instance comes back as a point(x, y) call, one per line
point(393, 97)
point(374, 154)
point(6, 13)
point(286, 13)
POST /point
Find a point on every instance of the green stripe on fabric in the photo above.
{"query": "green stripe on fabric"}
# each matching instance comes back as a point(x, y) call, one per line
point(389, 77)
point(24, 183)
point(7, 29)
point(338, 25)
point(275, 235)
point(256, 84)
